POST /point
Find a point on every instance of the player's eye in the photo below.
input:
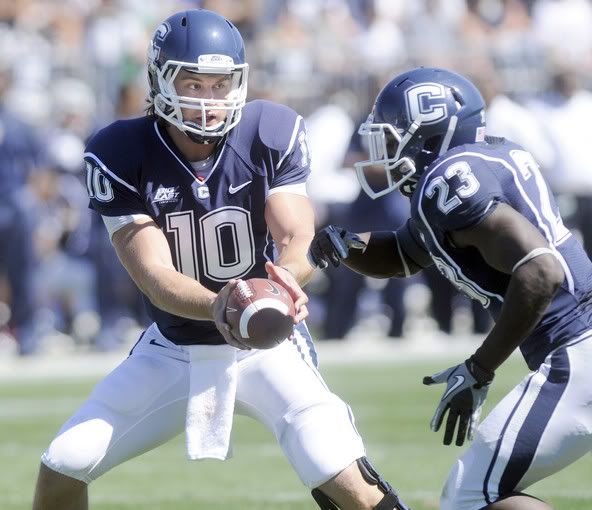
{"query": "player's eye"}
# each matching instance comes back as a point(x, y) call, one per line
point(222, 85)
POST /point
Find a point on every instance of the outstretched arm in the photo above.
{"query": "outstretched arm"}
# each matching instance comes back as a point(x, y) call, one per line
point(143, 250)
point(290, 219)
point(380, 254)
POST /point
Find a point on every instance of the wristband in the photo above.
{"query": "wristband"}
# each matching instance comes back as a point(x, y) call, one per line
point(481, 374)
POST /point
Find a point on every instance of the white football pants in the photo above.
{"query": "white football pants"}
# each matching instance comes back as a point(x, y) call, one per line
point(142, 404)
point(543, 425)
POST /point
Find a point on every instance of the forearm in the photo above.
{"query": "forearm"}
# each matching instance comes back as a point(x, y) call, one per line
point(292, 257)
point(145, 254)
point(380, 259)
point(176, 293)
point(529, 293)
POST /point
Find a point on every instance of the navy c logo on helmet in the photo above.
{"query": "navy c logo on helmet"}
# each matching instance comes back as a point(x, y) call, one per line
point(163, 29)
point(423, 99)
point(159, 36)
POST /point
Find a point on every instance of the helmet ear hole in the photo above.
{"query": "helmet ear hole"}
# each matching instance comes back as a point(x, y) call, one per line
point(433, 143)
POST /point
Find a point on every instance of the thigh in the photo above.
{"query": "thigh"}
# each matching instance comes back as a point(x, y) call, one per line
point(138, 406)
point(540, 427)
point(283, 389)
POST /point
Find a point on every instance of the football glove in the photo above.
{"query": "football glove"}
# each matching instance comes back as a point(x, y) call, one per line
point(332, 244)
point(466, 389)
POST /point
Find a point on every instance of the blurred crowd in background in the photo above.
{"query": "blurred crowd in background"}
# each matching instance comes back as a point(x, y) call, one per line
point(69, 67)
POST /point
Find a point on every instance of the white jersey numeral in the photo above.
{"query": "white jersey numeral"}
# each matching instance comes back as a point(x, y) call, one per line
point(470, 186)
point(182, 226)
point(528, 168)
point(97, 185)
point(226, 242)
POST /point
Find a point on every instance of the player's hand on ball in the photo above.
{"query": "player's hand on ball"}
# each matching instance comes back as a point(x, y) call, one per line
point(219, 313)
point(286, 279)
point(466, 389)
point(332, 244)
point(260, 313)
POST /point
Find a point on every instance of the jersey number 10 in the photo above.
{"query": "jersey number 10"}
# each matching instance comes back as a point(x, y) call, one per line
point(225, 238)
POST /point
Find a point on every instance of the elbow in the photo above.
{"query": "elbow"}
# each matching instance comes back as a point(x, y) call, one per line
point(150, 290)
point(549, 272)
point(553, 272)
point(154, 299)
point(152, 296)
point(541, 277)
point(556, 275)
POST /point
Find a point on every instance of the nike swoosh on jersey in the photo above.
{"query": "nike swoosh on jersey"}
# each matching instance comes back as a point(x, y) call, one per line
point(459, 380)
point(233, 189)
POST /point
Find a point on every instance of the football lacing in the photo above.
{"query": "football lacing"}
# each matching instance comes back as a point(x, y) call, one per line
point(244, 290)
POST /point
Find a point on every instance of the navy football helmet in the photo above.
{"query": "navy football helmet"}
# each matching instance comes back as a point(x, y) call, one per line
point(416, 118)
point(198, 41)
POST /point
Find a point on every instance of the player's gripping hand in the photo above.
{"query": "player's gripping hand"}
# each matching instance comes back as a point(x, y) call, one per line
point(466, 389)
point(332, 244)
point(283, 276)
point(219, 313)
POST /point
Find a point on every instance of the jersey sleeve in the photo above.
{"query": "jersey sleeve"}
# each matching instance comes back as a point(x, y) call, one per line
point(294, 165)
point(459, 193)
point(412, 245)
point(109, 176)
point(283, 144)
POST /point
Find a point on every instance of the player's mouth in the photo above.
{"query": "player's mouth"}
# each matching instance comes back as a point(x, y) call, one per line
point(212, 118)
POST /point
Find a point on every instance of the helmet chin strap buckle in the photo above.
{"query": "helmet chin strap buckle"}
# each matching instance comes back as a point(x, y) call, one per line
point(202, 140)
point(198, 137)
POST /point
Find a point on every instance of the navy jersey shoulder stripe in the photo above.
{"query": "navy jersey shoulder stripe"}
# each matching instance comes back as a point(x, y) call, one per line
point(474, 288)
point(292, 140)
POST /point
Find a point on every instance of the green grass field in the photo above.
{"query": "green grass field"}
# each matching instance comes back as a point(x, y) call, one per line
point(392, 410)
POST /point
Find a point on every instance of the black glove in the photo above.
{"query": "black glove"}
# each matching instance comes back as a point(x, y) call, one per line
point(332, 244)
point(466, 389)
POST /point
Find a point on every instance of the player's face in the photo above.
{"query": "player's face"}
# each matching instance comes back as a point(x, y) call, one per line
point(203, 86)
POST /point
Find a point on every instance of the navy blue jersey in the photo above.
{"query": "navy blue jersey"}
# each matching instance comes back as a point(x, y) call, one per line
point(215, 228)
point(459, 190)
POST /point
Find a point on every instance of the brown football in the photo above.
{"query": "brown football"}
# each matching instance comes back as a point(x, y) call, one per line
point(260, 313)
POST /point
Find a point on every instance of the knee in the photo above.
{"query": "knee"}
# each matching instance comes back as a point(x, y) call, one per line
point(320, 440)
point(78, 450)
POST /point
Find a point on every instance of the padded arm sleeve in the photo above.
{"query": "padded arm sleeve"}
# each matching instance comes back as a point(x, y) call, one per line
point(412, 246)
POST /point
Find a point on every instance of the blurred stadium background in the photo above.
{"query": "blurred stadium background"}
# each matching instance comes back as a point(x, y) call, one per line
point(69, 67)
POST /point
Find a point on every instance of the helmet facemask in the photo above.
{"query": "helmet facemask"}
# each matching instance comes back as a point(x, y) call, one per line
point(168, 104)
point(403, 154)
point(385, 148)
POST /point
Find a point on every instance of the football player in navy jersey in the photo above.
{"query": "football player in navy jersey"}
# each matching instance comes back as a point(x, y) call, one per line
point(206, 190)
point(483, 215)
